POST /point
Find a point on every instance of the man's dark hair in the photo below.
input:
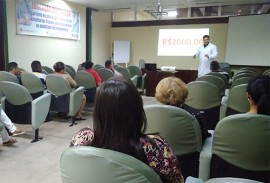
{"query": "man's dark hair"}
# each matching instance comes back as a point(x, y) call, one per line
point(12, 65)
point(206, 36)
point(88, 64)
point(36, 66)
point(214, 66)
point(108, 63)
point(58, 66)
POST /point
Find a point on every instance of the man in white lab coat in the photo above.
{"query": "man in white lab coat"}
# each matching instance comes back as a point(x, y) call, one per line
point(206, 54)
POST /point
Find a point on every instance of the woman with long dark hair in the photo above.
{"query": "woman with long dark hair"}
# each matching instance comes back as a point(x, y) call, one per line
point(119, 125)
point(258, 92)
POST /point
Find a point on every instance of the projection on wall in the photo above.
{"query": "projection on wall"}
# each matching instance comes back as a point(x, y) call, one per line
point(180, 42)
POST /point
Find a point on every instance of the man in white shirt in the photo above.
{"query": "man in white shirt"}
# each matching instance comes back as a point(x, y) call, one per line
point(206, 54)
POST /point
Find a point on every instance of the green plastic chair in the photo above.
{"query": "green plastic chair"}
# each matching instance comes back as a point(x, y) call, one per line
point(84, 164)
point(98, 66)
point(71, 69)
point(33, 84)
point(239, 81)
point(86, 80)
point(64, 98)
point(7, 76)
point(237, 100)
point(21, 108)
point(104, 74)
point(267, 72)
point(245, 74)
point(230, 180)
point(214, 80)
point(125, 73)
point(134, 70)
point(70, 72)
point(181, 130)
point(221, 76)
point(241, 147)
point(47, 69)
point(248, 69)
point(204, 99)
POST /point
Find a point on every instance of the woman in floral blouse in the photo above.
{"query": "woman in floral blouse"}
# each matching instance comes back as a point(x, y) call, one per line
point(119, 125)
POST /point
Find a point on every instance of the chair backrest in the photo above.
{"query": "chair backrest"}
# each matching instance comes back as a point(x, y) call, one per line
point(48, 69)
point(239, 81)
point(176, 125)
point(242, 140)
point(70, 72)
point(98, 66)
point(125, 72)
point(32, 83)
point(231, 180)
point(142, 63)
point(203, 95)
point(103, 165)
point(15, 94)
point(85, 79)
point(57, 85)
point(214, 80)
point(220, 75)
point(266, 73)
point(6, 76)
point(237, 100)
point(134, 70)
point(244, 74)
point(104, 74)
point(71, 69)
point(248, 69)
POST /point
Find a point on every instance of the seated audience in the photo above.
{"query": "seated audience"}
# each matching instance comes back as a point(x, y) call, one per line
point(109, 65)
point(81, 67)
point(173, 91)
point(89, 67)
point(119, 123)
point(13, 68)
point(59, 69)
point(214, 67)
point(37, 70)
point(6, 122)
point(258, 93)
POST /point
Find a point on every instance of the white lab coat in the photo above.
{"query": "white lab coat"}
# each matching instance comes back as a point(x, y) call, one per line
point(204, 62)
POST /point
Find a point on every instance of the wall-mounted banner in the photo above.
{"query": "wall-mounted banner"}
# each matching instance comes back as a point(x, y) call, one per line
point(38, 19)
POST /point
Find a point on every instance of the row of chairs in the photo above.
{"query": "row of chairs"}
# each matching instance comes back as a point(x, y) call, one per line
point(230, 153)
point(240, 143)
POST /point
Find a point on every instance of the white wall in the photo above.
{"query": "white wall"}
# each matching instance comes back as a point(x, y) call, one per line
point(24, 49)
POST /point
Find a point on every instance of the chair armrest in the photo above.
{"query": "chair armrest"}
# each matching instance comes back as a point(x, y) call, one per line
point(40, 109)
point(75, 100)
point(3, 101)
point(205, 158)
point(134, 80)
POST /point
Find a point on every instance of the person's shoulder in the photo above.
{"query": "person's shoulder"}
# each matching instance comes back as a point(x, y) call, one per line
point(82, 138)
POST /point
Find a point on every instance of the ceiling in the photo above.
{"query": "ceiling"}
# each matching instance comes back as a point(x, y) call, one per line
point(142, 5)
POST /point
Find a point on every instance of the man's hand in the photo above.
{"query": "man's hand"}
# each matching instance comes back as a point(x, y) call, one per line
point(206, 55)
point(194, 56)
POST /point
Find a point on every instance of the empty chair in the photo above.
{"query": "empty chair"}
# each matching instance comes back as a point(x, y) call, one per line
point(86, 80)
point(267, 73)
point(135, 70)
point(204, 100)
point(237, 100)
point(64, 98)
point(98, 66)
point(48, 69)
point(241, 75)
point(103, 165)
point(104, 74)
point(241, 147)
point(239, 81)
point(71, 69)
point(214, 80)
point(21, 108)
point(6, 76)
point(181, 130)
point(33, 84)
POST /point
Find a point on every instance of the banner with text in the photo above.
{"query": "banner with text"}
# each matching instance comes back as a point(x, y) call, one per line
point(38, 19)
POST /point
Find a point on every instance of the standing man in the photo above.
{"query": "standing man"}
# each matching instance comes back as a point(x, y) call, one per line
point(206, 54)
